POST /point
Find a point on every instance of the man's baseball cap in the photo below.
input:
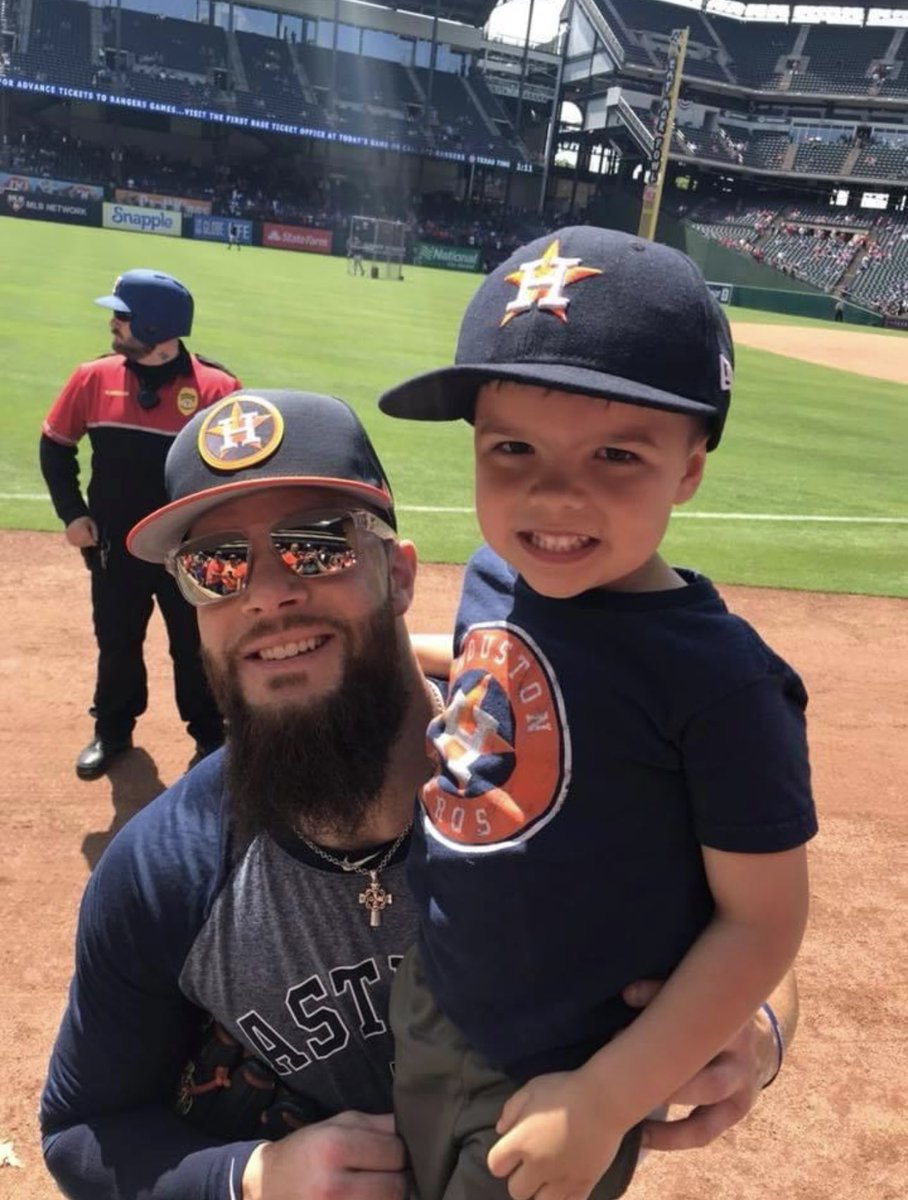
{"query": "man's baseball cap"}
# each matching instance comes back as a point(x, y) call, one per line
point(253, 441)
point(593, 311)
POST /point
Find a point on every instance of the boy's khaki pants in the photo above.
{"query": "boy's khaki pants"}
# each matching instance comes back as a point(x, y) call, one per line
point(447, 1101)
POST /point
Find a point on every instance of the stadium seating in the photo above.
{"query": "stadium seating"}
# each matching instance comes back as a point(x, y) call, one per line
point(821, 157)
point(184, 46)
point(882, 278)
point(883, 161)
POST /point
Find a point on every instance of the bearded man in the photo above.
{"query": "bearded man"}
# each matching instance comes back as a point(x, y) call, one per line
point(266, 888)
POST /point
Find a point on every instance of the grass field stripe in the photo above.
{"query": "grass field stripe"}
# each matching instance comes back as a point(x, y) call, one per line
point(701, 516)
point(708, 516)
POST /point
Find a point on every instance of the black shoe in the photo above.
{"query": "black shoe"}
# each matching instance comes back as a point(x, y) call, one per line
point(95, 759)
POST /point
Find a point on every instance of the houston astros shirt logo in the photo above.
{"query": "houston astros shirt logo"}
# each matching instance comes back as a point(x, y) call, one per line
point(503, 735)
point(240, 431)
point(542, 282)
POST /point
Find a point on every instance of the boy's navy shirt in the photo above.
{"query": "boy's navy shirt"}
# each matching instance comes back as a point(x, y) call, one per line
point(590, 747)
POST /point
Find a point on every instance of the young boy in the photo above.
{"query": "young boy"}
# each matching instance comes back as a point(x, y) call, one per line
point(623, 785)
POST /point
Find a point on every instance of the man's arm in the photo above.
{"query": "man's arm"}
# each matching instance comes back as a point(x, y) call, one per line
point(108, 1129)
point(433, 653)
point(60, 468)
point(726, 1089)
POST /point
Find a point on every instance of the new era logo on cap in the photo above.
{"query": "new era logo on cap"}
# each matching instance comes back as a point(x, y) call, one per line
point(597, 312)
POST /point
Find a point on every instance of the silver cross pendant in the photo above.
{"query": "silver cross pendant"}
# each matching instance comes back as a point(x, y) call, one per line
point(375, 899)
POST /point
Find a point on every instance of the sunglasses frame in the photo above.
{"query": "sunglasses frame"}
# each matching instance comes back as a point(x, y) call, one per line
point(295, 527)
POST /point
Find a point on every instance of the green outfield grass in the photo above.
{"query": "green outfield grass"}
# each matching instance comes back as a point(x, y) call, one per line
point(802, 441)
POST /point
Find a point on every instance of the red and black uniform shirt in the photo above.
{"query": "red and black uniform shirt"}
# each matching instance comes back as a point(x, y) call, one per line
point(129, 443)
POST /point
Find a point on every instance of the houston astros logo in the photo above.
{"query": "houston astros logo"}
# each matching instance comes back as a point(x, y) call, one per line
point(542, 283)
point(502, 744)
point(240, 431)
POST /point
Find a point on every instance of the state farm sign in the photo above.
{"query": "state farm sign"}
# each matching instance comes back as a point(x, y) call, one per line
point(295, 237)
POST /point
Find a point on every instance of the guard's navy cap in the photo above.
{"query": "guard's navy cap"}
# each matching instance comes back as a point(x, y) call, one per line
point(252, 441)
point(593, 311)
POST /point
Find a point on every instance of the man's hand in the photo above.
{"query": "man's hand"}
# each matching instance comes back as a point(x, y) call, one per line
point(555, 1139)
point(722, 1093)
point(82, 533)
point(354, 1155)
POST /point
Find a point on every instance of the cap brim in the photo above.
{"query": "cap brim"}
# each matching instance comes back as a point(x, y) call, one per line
point(449, 394)
point(162, 531)
point(113, 302)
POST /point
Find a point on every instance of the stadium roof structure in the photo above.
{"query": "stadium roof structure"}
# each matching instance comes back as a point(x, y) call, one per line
point(468, 12)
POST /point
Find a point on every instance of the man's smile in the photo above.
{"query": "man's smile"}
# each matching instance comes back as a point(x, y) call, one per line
point(289, 649)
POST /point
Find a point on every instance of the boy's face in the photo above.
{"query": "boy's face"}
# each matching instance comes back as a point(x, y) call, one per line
point(576, 492)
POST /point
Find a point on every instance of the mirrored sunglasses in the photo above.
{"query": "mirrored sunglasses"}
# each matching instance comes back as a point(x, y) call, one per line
point(313, 545)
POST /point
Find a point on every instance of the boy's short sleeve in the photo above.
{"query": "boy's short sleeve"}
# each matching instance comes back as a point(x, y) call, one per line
point(747, 768)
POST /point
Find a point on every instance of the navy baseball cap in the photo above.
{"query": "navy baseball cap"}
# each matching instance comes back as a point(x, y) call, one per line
point(253, 441)
point(593, 311)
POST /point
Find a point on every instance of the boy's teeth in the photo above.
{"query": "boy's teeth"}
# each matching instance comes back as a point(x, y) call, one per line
point(559, 542)
point(291, 649)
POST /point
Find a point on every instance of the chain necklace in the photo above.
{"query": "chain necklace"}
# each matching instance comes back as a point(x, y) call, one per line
point(374, 898)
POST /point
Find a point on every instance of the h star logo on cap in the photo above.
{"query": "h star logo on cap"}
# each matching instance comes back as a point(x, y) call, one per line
point(239, 432)
point(542, 282)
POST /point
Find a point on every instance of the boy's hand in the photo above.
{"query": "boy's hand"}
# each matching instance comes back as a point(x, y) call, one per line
point(555, 1141)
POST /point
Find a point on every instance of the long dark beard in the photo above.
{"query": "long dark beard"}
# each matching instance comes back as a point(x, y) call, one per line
point(319, 765)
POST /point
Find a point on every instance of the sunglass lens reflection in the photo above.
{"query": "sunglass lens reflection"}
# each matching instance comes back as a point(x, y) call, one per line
point(219, 571)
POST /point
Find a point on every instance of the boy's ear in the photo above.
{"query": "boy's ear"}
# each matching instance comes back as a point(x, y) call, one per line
point(401, 575)
point(690, 480)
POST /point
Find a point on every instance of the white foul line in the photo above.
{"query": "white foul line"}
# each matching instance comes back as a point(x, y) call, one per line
point(681, 513)
point(709, 516)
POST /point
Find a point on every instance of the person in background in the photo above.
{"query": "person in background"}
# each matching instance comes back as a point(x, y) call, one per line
point(131, 404)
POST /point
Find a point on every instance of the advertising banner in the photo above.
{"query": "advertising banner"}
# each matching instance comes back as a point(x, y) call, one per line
point(722, 291)
point(296, 237)
point(216, 229)
point(452, 258)
point(14, 203)
point(11, 181)
point(184, 204)
point(142, 220)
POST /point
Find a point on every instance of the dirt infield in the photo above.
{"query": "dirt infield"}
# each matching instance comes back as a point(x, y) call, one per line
point(845, 349)
point(835, 1124)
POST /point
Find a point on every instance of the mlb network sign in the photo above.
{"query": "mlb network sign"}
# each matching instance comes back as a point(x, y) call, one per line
point(142, 220)
point(217, 229)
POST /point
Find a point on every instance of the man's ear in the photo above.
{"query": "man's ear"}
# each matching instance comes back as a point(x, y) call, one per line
point(401, 575)
point(693, 474)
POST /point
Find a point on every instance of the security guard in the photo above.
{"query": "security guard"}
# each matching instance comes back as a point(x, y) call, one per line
point(132, 404)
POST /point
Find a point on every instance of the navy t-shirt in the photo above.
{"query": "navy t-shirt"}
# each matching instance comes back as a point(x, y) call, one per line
point(589, 748)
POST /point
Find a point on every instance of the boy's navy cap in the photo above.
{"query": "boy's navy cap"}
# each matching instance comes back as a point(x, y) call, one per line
point(252, 441)
point(593, 311)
